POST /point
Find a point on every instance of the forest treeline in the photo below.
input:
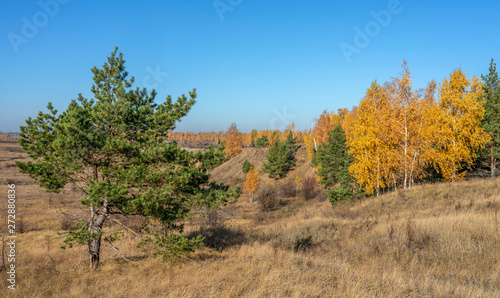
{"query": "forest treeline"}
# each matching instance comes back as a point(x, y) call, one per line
point(399, 135)
point(247, 139)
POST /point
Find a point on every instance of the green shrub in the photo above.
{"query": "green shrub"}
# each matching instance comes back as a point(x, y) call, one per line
point(247, 166)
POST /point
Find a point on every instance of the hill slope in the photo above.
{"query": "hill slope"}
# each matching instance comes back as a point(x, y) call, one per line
point(231, 173)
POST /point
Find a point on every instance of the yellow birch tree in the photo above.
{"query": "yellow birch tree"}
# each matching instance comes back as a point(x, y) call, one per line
point(455, 125)
point(366, 135)
point(405, 131)
point(251, 183)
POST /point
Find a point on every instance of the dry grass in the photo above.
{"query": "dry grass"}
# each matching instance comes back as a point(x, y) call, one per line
point(231, 173)
point(434, 240)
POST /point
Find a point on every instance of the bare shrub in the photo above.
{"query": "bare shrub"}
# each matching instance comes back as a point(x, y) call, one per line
point(220, 237)
point(213, 218)
point(287, 189)
point(67, 224)
point(322, 195)
point(309, 188)
point(267, 198)
point(302, 244)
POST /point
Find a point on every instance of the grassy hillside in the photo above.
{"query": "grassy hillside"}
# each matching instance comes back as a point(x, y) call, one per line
point(433, 240)
point(231, 171)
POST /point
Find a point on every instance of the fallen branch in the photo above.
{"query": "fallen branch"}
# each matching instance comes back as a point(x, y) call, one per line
point(129, 229)
point(118, 252)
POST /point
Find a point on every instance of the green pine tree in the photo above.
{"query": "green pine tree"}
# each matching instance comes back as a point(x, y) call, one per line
point(280, 160)
point(347, 190)
point(291, 143)
point(262, 142)
point(332, 156)
point(212, 157)
point(114, 149)
point(247, 166)
point(491, 118)
point(333, 160)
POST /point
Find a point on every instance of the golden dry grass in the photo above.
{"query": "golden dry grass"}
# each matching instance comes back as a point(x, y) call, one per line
point(231, 173)
point(434, 240)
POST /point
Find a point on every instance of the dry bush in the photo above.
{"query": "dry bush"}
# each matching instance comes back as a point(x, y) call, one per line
point(287, 189)
point(220, 237)
point(213, 218)
point(309, 188)
point(322, 196)
point(67, 223)
point(267, 197)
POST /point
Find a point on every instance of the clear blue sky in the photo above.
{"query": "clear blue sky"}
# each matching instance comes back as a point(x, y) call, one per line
point(260, 64)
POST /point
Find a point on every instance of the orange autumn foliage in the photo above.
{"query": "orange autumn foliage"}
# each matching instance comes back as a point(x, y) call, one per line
point(406, 128)
point(251, 183)
point(396, 132)
point(368, 141)
point(233, 141)
point(455, 125)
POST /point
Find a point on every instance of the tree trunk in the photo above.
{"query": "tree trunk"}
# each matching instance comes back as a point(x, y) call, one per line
point(99, 215)
point(493, 166)
point(94, 250)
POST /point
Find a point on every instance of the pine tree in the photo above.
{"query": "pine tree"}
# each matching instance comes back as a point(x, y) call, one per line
point(247, 166)
point(290, 142)
point(348, 188)
point(333, 160)
point(281, 158)
point(262, 142)
point(331, 156)
point(114, 149)
point(212, 157)
point(491, 118)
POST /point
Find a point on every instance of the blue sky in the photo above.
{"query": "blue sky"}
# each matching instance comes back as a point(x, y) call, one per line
point(260, 64)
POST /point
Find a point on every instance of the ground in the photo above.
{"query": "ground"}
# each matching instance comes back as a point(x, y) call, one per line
point(433, 240)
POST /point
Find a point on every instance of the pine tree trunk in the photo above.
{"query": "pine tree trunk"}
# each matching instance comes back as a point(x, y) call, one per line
point(99, 215)
point(94, 250)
